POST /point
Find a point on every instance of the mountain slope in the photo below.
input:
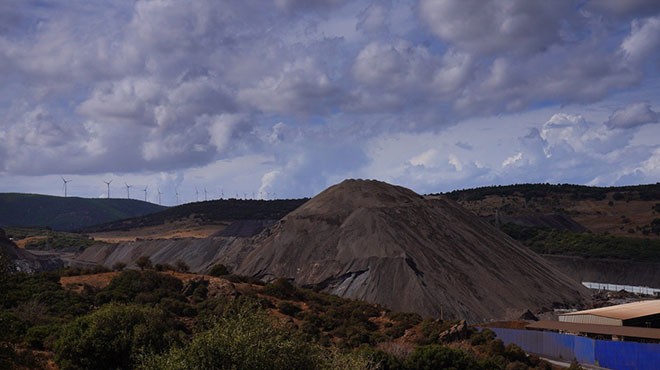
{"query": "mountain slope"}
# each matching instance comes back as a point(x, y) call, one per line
point(69, 213)
point(385, 244)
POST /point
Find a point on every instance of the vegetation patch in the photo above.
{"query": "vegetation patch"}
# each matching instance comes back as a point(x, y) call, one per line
point(547, 241)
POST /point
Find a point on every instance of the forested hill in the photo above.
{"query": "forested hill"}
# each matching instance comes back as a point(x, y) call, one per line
point(576, 192)
point(70, 213)
point(209, 212)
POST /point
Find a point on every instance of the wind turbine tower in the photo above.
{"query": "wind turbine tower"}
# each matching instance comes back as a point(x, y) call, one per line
point(159, 193)
point(196, 194)
point(65, 181)
point(108, 184)
point(128, 190)
point(145, 192)
point(176, 192)
point(206, 195)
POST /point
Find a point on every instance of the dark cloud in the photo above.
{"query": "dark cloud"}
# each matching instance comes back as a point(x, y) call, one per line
point(628, 8)
point(497, 26)
point(632, 116)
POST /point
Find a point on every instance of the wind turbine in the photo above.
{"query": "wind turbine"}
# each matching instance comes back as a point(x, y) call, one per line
point(196, 194)
point(176, 192)
point(159, 193)
point(206, 195)
point(65, 182)
point(128, 190)
point(145, 192)
point(108, 183)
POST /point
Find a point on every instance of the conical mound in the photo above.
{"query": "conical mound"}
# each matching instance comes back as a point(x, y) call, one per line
point(386, 244)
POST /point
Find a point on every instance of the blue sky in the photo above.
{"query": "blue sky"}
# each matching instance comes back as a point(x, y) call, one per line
point(286, 97)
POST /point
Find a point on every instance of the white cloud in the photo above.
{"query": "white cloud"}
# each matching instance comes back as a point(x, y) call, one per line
point(513, 160)
point(644, 40)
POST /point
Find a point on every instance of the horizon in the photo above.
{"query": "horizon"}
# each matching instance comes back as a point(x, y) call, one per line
point(313, 195)
point(288, 97)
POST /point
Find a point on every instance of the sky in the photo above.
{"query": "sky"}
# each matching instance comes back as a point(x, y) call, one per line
point(283, 98)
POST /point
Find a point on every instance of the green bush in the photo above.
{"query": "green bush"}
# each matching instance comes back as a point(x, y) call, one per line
point(42, 337)
point(114, 337)
point(141, 287)
point(288, 308)
point(246, 339)
point(434, 357)
point(218, 270)
point(283, 289)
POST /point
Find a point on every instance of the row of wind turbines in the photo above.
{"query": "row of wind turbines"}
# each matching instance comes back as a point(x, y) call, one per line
point(128, 192)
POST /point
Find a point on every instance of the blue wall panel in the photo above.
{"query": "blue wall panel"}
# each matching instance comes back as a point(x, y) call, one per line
point(585, 350)
point(609, 354)
point(628, 355)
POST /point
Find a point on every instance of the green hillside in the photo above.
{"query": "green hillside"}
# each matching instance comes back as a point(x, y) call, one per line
point(209, 212)
point(71, 213)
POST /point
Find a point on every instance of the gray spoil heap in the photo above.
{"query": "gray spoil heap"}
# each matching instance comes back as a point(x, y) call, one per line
point(385, 244)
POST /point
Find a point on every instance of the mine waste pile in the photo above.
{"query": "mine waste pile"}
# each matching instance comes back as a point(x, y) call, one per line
point(385, 244)
point(380, 243)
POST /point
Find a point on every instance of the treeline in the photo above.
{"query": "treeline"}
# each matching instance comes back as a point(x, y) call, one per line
point(209, 211)
point(152, 320)
point(587, 245)
point(576, 192)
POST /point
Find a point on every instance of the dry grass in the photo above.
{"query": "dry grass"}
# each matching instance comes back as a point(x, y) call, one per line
point(172, 230)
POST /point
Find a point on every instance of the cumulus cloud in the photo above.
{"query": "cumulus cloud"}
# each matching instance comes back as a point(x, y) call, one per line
point(306, 89)
point(300, 87)
point(496, 26)
point(633, 115)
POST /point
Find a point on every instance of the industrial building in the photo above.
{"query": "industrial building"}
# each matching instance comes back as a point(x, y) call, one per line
point(638, 321)
point(641, 314)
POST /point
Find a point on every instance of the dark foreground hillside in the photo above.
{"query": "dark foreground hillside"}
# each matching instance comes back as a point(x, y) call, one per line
point(71, 213)
point(174, 320)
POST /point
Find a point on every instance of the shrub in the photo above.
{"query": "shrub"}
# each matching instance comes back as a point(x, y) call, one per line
point(143, 262)
point(119, 266)
point(243, 340)
point(282, 288)
point(288, 308)
point(41, 337)
point(440, 357)
point(218, 270)
point(112, 338)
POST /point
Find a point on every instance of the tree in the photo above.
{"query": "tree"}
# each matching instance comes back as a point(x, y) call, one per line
point(119, 266)
point(144, 262)
point(181, 266)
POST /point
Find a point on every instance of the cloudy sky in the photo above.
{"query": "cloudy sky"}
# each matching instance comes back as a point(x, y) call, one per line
point(283, 98)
